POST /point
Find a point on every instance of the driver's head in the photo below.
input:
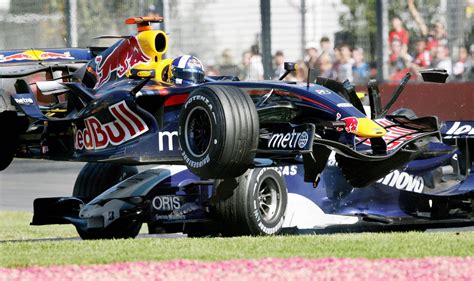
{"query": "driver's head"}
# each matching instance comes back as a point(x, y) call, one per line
point(186, 70)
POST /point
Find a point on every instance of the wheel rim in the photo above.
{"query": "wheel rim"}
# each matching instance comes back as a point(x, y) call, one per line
point(268, 199)
point(198, 131)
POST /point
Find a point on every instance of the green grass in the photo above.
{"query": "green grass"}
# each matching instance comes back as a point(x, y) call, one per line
point(16, 226)
point(368, 245)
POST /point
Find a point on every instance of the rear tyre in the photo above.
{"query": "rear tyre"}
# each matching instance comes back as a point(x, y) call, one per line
point(253, 204)
point(94, 179)
point(218, 132)
point(9, 139)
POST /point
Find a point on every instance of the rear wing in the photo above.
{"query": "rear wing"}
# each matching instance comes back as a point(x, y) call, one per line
point(32, 56)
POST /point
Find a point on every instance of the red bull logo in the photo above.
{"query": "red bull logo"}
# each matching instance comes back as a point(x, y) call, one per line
point(125, 56)
point(35, 55)
point(351, 124)
point(95, 135)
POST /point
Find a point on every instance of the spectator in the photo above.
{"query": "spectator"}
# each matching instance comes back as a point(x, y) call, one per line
point(312, 55)
point(326, 66)
point(442, 59)
point(211, 70)
point(399, 60)
point(245, 65)
point(326, 47)
point(360, 69)
point(279, 63)
point(460, 68)
point(302, 71)
point(422, 55)
point(469, 75)
point(252, 67)
point(344, 65)
point(227, 66)
point(438, 36)
point(399, 33)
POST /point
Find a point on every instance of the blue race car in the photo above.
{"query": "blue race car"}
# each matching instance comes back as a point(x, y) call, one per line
point(121, 108)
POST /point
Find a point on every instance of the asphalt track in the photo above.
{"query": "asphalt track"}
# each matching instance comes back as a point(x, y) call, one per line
point(24, 180)
point(27, 179)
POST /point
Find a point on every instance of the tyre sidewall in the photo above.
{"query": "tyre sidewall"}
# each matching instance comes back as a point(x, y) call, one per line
point(256, 222)
point(206, 100)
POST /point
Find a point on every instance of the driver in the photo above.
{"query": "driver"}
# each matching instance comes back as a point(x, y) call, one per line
point(186, 70)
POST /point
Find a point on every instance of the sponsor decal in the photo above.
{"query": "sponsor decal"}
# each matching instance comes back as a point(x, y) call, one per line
point(403, 181)
point(126, 126)
point(195, 164)
point(171, 137)
point(351, 124)
point(24, 101)
point(344, 104)
point(125, 56)
point(289, 140)
point(166, 203)
point(290, 170)
point(35, 55)
point(457, 130)
point(323, 91)
point(198, 98)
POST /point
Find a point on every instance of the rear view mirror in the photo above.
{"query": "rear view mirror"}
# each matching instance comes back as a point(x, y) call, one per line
point(434, 75)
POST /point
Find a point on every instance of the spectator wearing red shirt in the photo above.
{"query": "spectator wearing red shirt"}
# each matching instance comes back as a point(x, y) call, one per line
point(422, 55)
point(438, 36)
point(398, 32)
point(400, 61)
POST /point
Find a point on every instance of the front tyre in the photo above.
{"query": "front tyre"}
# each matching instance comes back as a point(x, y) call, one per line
point(96, 178)
point(218, 131)
point(254, 205)
point(121, 229)
point(9, 139)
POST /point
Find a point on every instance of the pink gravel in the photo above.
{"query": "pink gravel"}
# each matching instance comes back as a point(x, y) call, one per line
point(433, 268)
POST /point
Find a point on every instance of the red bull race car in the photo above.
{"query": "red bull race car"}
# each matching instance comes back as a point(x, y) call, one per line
point(239, 149)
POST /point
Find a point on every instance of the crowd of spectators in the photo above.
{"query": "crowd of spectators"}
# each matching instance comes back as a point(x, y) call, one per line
point(429, 49)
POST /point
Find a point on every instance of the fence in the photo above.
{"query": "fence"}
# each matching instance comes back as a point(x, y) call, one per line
point(207, 28)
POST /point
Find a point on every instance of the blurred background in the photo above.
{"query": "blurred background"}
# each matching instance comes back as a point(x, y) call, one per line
point(341, 39)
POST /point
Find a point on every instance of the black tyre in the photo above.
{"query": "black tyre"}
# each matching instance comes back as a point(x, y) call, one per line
point(218, 132)
point(9, 139)
point(95, 178)
point(254, 205)
point(121, 229)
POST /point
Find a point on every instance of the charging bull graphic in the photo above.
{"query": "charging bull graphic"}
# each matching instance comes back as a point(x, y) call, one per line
point(125, 56)
point(35, 55)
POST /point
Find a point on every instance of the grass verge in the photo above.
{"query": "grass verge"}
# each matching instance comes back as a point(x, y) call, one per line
point(367, 245)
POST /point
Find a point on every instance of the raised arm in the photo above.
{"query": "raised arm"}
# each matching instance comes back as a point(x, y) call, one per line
point(418, 19)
